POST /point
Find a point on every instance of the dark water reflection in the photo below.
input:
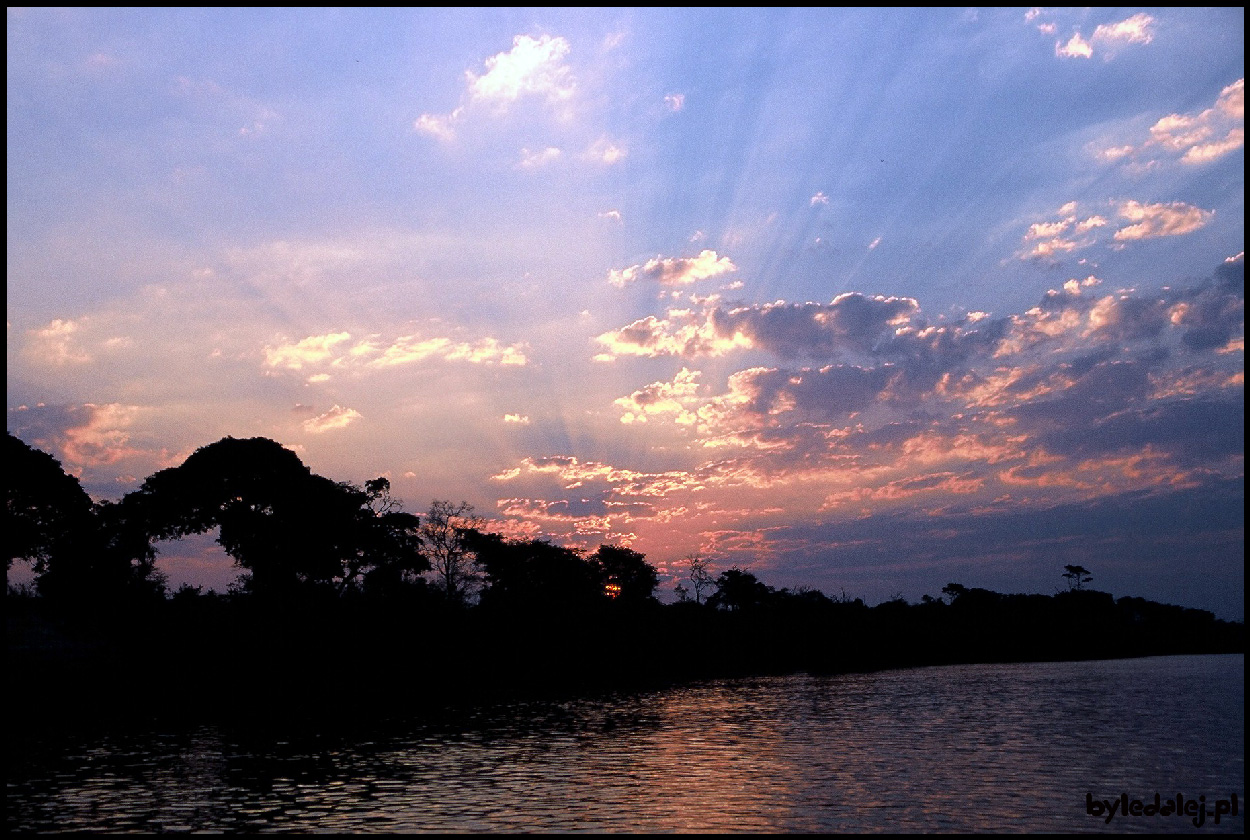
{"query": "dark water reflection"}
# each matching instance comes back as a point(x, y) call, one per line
point(961, 748)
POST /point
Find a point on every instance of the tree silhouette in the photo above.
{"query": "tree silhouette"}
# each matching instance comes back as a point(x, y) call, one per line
point(79, 551)
point(626, 575)
point(45, 508)
point(290, 529)
point(446, 534)
point(738, 589)
point(387, 558)
point(536, 573)
point(700, 577)
point(1077, 576)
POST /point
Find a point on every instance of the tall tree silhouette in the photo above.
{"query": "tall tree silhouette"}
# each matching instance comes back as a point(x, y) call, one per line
point(700, 576)
point(446, 536)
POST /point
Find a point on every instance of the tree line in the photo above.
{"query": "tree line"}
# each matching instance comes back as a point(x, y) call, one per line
point(294, 534)
point(336, 578)
point(291, 532)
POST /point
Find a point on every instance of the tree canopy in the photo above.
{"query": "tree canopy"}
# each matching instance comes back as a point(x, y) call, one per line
point(289, 528)
point(44, 505)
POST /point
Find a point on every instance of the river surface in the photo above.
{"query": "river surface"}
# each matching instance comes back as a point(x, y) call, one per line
point(966, 748)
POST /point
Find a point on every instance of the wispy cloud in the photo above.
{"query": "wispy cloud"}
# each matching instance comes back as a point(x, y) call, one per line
point(539, 158)
point(337, 351)
point(57, 344)
point(605, 151)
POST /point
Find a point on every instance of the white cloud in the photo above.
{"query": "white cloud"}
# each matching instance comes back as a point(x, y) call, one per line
point(662, 398)
point(1197, 138)
point(327, 351)
point(56, 344)
point(439, 126)
point(336, 418)
point(819, 198)
point(1077, 47)
point(1155, 220)
point(675, 271)
point(307, 351)
point(675, 101)
point(533, 67)
point(683, 333)
point(1210, 134)
point(104, 437)
point(1047, 240)
point(1206, 152)
point(1134, 30)
point(1106, 37)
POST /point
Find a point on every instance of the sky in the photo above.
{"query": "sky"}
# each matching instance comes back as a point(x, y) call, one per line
point(863, 300)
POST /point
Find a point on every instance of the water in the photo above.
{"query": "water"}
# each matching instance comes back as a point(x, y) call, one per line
point(970, 748)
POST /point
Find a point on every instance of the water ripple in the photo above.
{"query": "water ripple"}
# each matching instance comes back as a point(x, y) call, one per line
point(1011, 748)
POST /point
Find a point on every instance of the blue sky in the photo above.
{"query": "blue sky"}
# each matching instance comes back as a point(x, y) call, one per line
point(867, 299)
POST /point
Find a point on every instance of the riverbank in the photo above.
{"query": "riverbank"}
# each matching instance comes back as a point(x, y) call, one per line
point(214, 657)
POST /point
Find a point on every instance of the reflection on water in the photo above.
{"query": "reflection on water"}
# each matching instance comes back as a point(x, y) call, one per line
point(960, 748)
